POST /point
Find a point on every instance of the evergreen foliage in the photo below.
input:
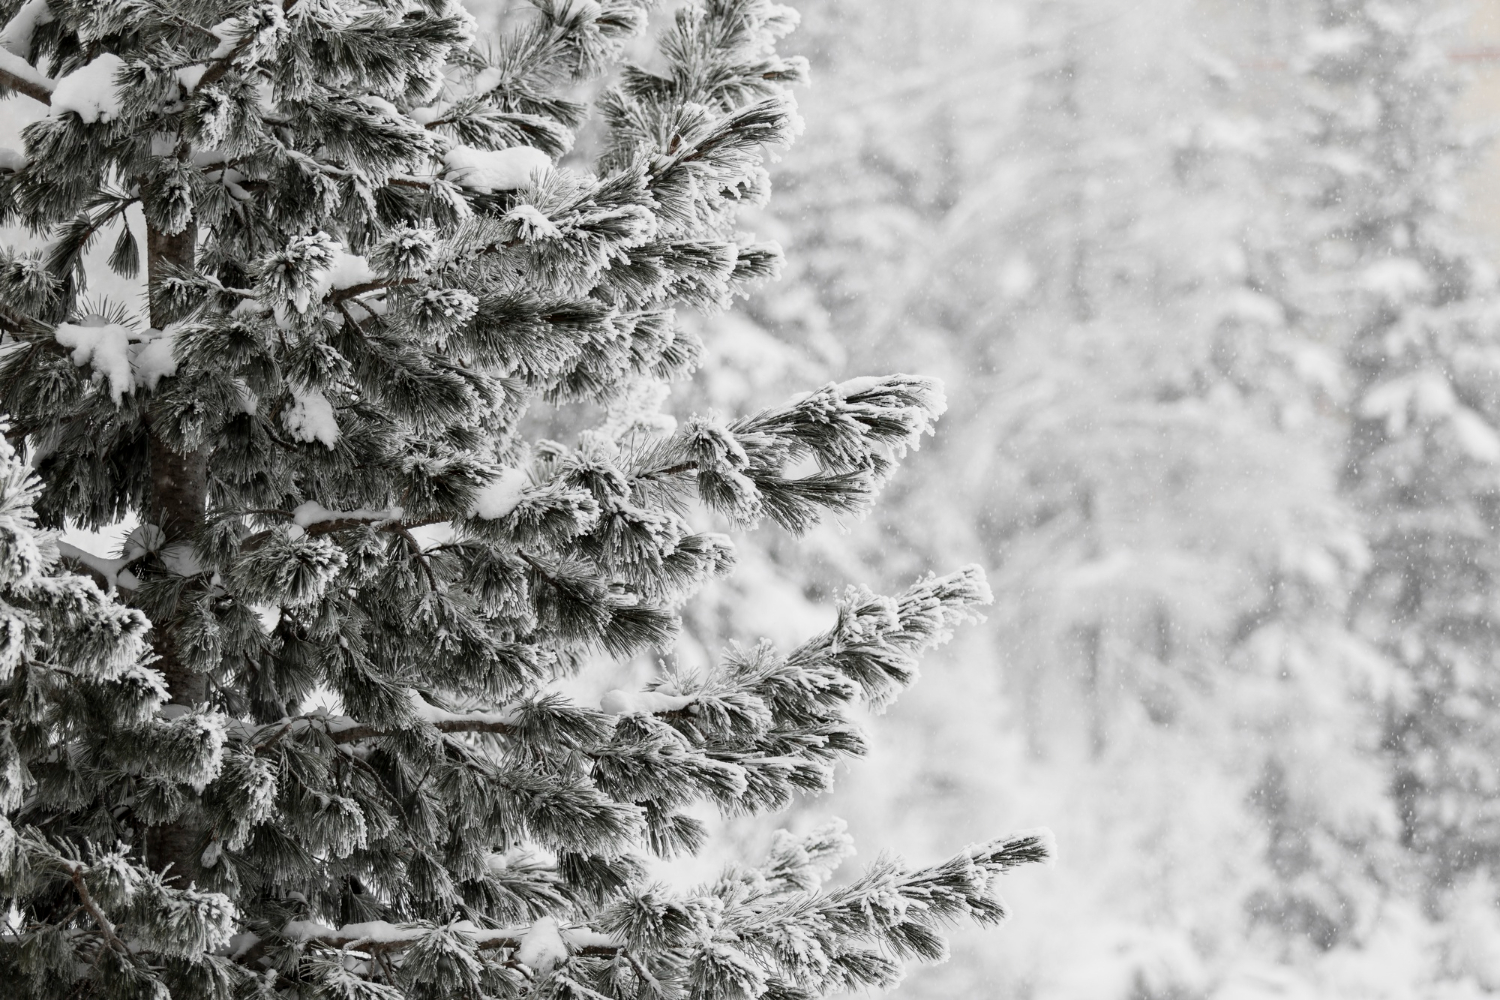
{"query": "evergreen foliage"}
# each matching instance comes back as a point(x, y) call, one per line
point(339, 770)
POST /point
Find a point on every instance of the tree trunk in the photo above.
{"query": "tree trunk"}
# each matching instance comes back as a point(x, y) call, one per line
point(179, 491)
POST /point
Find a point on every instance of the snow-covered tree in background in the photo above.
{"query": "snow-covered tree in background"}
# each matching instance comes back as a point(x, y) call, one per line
point(1414, 306)
point(342, 769)
point(1146, 441)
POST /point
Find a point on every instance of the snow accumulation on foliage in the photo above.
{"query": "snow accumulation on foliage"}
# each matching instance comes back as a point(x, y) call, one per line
point(531, 224)
point(542, 947)
point(311, 512)
point(311, 418)
point(16, 35)
point(105, 347)
point(501, 495)
point(644, 702)
point(90, 91)
point(490, 170)
point(123, 357)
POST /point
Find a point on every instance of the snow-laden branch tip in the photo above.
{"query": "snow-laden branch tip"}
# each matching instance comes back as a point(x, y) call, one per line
point(489, 170)
point(24, 78)
point(428, 712)
point(544, 943)
point(643, 702)
point(123, 357)
point(307, 514)
point(90, 91)
point(16, 36)
point(113, 572)
point(501, 495)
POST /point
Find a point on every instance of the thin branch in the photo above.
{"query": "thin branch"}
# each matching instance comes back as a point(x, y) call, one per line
point(671, 470)
point(107, 928)
point(340, 294)
point(222, 66)
point(380, 524)
point(509, 937)
point(24, 78)
point(23, 327)
point(275, 738)
point(477, 725)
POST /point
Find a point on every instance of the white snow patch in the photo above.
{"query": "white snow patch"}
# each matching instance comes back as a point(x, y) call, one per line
point(531, 224)
point(23, 24)
point(428, 712)
point(106, 347)
point(431, 535)
point(112, 570)
point(189, 76)
point(229, 34)
point(312, 512)
point(1477, 438)
point(11, 159)
point(542, 946)
point(1319, 367)
point(854, 386)
point(643, 702)
point(487, 170)
point(18, 67)
point(348, 270)
point(310, 418)
point(379, 104)
point(1253, 307)
point(583, 937)
point(129, 360)
point(1396, 278)
point(501, 495)
point(371, 931)
point(154, 359)
point(89, 91)
point(487, 79)
point(345, 271)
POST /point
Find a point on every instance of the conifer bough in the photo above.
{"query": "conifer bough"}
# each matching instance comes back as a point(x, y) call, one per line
point(364, 270)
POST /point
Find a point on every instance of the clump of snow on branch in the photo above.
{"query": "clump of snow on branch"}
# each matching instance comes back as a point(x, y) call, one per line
point(89, 91)
point(501, 495)
point(16, 37)
point(105, 346)
point(542, 946)
point(489, 170)
point(531, 225)
point(643, 702)
point(310, 418)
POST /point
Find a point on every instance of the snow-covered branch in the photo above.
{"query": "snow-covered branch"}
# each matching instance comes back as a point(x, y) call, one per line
point(24, 78)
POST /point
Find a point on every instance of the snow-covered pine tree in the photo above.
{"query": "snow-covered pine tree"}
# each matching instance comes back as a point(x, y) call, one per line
point(341, 770)
point(1414, 308)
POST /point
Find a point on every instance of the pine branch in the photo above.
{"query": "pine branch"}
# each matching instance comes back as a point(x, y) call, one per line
point(379, 938)
point(341, 294)
point(19, 75)
point(105, 926)
point(221, 67)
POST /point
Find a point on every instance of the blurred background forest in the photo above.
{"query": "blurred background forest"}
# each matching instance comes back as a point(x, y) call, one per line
point(1213, 288)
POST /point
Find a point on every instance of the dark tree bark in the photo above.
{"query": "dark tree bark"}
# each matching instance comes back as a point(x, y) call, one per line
point(179, 490)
